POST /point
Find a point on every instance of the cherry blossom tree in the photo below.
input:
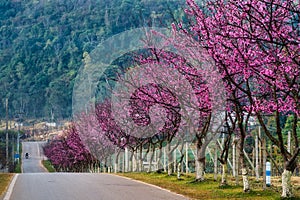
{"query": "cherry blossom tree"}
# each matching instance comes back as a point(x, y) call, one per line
point(111, 130)
point(69, 153)
point(227, 133)
point(200, 84)
point(79, 156)
point(255, 45)
point(142, 111)
point(57, 154)
point(141, 102)
point(94, 138)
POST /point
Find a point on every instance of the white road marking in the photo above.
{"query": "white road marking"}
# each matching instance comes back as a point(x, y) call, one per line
point(11, 187)
point(38, 149)
point(155, 186)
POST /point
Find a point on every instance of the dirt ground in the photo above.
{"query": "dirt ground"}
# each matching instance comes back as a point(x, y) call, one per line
point(276, 181)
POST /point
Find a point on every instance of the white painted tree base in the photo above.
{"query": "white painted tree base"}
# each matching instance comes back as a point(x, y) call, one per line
point(199, 171)
point(178, 170)
point(286, 184)
point(224, 175)
point(245, 180)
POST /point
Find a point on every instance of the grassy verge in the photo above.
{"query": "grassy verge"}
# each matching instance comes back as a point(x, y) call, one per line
point(208, 189)
point(5, 179)
point(47, 164)
point(18, 167)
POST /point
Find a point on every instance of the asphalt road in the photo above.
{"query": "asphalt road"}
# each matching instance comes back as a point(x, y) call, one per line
point(32, 185)
point(84, 186)
point(33, 163)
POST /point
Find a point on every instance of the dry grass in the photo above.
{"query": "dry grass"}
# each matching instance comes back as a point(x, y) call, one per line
point(5, 179)
point(210, 189)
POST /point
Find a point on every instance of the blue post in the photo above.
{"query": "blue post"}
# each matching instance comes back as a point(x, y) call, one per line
point(268, 174)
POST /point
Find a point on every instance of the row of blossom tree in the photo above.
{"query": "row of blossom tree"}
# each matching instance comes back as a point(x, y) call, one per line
point(254, 46)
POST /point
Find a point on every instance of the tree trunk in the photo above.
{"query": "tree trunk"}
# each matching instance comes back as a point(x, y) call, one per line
point(134, 162)
point(170, 159)
point(126, 165)
point(286, 184)
point(216, 164)
point(178, 170)
point(131, 161)
point(200, 160)
point(140, 161)
point(237, 167)
point(165, 160)
point(243, 165)
point(244, 173)
point(151, 159)
point(104, 169)
point(104, 166)
point(158, 161)
point(200, 166)
point(224, 174)
point(186, 158)
point(245, 179)
point(179, 165)
point(117, 160)
point(116, 167)
point(174, 161)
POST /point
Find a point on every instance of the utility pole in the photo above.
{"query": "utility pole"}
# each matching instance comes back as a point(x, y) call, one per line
point(186, 157)
point(216, 163)
point(233, 158)
point(256, 158)
point(264, 160)
point(6, 129)
point(13, 149)
point(260, 147)
point(18, 141)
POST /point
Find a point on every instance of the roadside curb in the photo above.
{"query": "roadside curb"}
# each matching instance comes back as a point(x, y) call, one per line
point(41, 164)
point(11, 187)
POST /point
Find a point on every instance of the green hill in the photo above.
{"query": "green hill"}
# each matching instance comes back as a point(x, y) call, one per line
point(42, 44)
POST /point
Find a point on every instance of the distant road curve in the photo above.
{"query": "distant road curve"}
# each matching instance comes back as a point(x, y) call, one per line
point(36, 155)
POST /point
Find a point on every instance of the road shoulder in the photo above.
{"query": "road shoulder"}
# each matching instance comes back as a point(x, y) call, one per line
point(11, 187)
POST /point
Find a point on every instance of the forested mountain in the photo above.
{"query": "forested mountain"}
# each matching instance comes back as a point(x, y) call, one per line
point(42, 44)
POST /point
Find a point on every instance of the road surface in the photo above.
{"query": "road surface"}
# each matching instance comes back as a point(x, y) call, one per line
point(33, 163)
point(32, 185)
point(84, 186)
